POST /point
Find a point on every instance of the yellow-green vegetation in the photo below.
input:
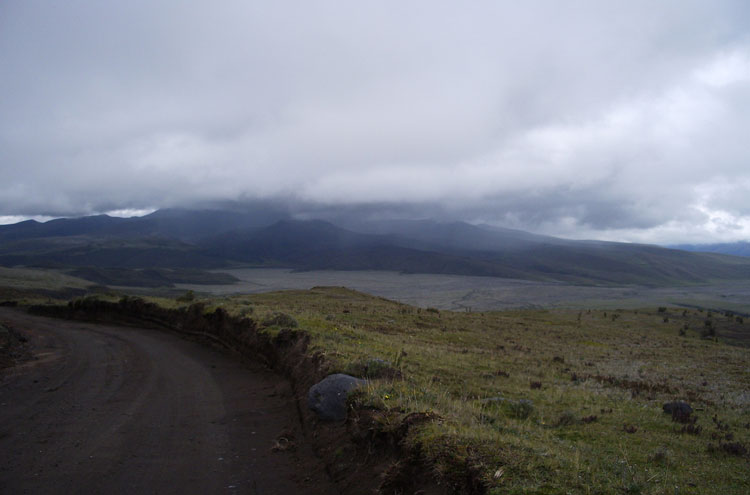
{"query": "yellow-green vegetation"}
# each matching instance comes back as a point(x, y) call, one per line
point(28, 286)
point(30, 279)
point(538, 401)
point(543, 401)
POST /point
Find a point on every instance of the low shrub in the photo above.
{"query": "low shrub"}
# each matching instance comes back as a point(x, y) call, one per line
point(282, 320)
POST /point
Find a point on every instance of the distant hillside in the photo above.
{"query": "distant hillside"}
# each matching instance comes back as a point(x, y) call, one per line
point(741, 248)
point(104, 251)
point(311, 245)
point(455, 236)
point(181, 224)
point(462, 249)
point(185, 239)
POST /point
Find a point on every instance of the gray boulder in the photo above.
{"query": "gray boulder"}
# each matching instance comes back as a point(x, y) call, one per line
point(327, 398)
point(677, 408)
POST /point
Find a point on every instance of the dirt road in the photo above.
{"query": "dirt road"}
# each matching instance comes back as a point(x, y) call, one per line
point(108, 409)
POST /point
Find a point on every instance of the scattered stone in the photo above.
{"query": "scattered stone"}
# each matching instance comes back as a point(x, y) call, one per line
point(284, 443)
point(730, 448)
point(327, 398)
point(678, 409)
point(691, 429)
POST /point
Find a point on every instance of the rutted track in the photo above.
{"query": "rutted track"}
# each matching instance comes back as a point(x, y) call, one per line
point(108, 409)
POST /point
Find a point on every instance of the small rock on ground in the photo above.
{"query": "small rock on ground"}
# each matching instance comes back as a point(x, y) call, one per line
point(327, 398)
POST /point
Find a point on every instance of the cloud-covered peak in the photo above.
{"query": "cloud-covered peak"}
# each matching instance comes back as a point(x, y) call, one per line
point(601, 119)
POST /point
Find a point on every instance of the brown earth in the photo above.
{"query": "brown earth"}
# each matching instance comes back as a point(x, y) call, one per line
point(111, 409)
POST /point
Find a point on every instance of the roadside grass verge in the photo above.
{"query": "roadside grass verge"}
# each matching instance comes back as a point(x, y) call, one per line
point(543, 401)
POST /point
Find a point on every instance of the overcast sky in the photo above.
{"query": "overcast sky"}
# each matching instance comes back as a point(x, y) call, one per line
point(621, 120)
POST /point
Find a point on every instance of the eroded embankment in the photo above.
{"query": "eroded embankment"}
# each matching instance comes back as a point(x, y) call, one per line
point(362, 456)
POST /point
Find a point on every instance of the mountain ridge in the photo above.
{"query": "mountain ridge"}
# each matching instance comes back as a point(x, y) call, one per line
point(218, 239)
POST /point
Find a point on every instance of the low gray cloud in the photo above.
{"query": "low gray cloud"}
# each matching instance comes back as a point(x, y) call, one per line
point(614, 120)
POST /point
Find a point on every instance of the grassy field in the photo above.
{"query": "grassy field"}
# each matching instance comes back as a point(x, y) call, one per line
point(545, 401)
point(32, 279)
point(542, 401)
point(36, 286)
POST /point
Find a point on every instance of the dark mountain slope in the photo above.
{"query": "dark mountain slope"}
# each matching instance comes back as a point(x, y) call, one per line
point(456, 236)
point(191, 225)
point(622, 264)
point(315, 244)
point(64, 227)
point(321, 245)
point(561, 259)
point(105, 252)
point(290, 240)
point(182, 224)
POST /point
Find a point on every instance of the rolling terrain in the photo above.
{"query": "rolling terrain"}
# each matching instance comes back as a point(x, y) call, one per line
point(188, 242)
point(537, 400)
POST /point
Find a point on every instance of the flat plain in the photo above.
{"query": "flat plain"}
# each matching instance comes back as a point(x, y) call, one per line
point(462, 293)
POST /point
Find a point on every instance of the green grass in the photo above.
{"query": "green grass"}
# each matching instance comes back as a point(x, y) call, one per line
point(596, 381)
point(626, 364)
point(28, 286)
point(31, 279)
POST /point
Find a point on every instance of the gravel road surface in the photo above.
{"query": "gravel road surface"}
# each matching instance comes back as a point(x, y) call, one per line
point(107, 409)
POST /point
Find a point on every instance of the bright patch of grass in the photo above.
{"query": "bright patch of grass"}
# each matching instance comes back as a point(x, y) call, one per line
point(28, 278)
point(543, 401)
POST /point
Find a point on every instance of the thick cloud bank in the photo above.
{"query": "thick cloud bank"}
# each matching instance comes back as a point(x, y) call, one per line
point(616, 120)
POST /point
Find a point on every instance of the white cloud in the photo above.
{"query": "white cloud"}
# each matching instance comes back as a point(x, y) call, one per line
point(728, 68)
point(129, 212)
point(10, 219)
point(610, 118)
